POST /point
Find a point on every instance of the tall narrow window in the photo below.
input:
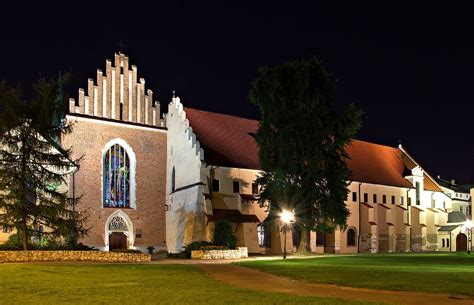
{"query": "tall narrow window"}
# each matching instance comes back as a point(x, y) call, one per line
point(173, 180)
point(354, 196)
point(366, 197)
point(236, 186)
point(116, 173)
point(255, 188)
point(320, 237)
point(375, 198)
point(443, 242)
point(418, 190)
point(384, 199)
point(447, 242)
point(261, 235)
point(393, 199)
point(351, 237)
point(215, 185)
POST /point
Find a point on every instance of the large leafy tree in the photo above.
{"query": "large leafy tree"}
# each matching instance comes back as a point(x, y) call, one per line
point(302, 139)
point(34, 167)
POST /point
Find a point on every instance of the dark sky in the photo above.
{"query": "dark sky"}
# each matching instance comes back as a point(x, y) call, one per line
point(410, 68)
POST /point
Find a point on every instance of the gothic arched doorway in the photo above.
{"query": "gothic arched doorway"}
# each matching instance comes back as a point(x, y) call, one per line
point(461, 242)
point(119, 231)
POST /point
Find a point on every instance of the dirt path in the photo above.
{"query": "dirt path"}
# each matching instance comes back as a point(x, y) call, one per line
point(253, 279)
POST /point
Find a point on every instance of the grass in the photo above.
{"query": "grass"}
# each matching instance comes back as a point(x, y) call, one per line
point(438, 273)
point(129, 284)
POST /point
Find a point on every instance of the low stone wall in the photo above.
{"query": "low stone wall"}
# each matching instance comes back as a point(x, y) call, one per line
point(72, 256)
point(240, 252)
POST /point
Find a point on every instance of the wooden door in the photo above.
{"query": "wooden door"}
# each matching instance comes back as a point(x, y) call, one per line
point(117, 240)
point(461, 242)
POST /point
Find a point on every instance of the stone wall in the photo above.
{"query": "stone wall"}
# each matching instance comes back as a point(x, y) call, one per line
point(240, 252)
point(72, 256)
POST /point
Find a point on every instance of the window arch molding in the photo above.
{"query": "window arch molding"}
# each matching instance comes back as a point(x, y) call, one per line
point(132, 164)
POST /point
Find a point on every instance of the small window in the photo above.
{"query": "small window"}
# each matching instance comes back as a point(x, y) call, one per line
point(375, 198)
point(447, 242)
point(354, 196)
point(320, 239)
point(401, 200)
point(173, 180)
point(393, 199)
point(215, 185)
point(236, 186)
point(351, 237)
point(366, 197)
point(461, 209)
point(384, 199)
point(254, 188)
point(409, 200)
point(443, 243)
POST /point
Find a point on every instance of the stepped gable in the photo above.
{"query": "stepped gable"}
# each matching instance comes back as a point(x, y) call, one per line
point(117, 95)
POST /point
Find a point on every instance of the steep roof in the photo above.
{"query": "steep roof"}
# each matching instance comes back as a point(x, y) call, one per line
point(227, 141)
point(455, 217)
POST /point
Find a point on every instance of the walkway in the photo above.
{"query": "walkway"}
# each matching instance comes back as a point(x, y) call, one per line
point(253, 279)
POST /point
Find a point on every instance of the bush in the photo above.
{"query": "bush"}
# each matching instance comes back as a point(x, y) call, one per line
point(224, 234)
point(195, 245)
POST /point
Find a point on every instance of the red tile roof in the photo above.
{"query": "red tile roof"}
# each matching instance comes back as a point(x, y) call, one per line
point(227, 141)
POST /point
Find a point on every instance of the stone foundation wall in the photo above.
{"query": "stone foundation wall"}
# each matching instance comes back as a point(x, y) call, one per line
point(72, 256)
point(240, 252)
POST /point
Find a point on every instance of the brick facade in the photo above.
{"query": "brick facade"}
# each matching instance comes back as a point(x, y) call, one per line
point(88, 140)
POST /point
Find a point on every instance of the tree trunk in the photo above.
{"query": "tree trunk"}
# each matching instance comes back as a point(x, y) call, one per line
point(304, 246)
point(24, 236)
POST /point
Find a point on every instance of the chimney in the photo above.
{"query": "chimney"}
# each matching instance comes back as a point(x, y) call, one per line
point(453, 181)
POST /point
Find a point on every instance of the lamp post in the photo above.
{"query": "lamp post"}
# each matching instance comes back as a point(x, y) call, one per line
point(468, 226)
point(286, 217)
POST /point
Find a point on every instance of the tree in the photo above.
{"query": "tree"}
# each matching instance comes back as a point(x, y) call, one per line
point(223, 234)
point(34, 167)
point(302, 140)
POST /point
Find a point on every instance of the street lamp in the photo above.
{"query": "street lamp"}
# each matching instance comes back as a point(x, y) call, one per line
point(468, 226)
point(287, 217)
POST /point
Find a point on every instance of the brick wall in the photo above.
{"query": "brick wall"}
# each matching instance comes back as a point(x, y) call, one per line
point(88, 140)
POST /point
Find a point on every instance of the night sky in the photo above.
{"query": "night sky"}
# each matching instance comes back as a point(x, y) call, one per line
point(411, 69)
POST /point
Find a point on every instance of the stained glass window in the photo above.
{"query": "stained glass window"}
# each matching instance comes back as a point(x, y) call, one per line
point(116, 178)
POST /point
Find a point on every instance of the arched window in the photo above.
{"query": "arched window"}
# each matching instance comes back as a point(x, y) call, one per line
point(351, 237)
point(447, 242)
point(116, 175)
point(173, 180)
point(261, 235)
point(443, 242)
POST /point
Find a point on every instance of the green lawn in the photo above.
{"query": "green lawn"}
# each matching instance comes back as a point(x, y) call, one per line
point(128, 284)
point(439, 273)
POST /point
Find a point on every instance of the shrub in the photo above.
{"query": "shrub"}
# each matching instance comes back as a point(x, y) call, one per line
point(195, 245)
point(224, 234)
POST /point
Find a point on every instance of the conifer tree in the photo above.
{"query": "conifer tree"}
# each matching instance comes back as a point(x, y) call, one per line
point(34, 167)
point(302, 140)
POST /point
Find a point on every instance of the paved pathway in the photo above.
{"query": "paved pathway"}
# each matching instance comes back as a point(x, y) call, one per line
point(253, 279)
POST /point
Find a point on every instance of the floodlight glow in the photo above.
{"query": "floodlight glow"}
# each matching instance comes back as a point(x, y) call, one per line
point(286, 216)
point(468, 224)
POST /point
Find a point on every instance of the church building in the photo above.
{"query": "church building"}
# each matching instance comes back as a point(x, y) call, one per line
point(147, 180)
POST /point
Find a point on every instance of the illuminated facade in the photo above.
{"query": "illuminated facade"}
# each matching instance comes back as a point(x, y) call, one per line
point(148, 181)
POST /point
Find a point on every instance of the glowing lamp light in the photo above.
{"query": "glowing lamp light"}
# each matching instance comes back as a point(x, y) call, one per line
point(287, 216)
